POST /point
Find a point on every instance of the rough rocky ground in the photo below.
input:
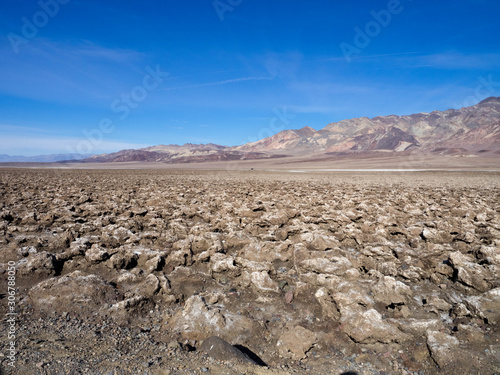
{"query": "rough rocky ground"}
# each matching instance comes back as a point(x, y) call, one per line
point(128, 272)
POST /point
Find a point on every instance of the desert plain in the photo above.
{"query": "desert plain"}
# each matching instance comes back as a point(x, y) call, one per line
point(129, 271)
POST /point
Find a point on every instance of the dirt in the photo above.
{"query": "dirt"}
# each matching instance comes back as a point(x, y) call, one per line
point(129, 271)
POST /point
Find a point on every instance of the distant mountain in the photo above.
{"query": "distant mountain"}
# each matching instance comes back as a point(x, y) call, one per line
point(470, 129)
point(187, 153)
point(464, 131)
point(41, 158)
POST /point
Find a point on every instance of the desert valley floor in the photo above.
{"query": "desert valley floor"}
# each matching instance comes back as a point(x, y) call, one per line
point(130, 271)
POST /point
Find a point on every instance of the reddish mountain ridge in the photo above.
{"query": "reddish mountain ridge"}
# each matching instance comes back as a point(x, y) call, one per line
point(187, 153)
point(472, 128)
point(464, 131)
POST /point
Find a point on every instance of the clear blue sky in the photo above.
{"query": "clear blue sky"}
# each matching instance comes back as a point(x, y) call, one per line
point(232, 65)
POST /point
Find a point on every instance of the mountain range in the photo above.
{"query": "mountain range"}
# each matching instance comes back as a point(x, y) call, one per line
point(465, 131)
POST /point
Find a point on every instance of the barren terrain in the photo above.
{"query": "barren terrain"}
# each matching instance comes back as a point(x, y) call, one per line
point(365, 161)
point(130, 271)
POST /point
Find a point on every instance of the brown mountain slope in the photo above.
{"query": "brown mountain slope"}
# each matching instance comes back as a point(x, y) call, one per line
point(471, 128)
point(467, 130)
point(187, 153)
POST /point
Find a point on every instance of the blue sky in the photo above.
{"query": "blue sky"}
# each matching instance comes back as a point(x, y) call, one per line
point(76, 76)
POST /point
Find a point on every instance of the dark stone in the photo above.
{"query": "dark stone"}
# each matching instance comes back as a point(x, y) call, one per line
point(221, 350)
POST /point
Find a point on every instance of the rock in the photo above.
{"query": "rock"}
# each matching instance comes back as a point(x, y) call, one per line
point(182, 257)
point(123, 260)
point(437, 304)
point(27, 250)
point(289, 296)
point(490, 254)
point(221, 263)
point(30, 218)
point(197, 319)
point(460, 311)
point(296, 342)
point(417, 326)
point(334, 265)
point(388, 268)
point(368, 327)
point(277, 218)
point(126, 277)
point(139, 211)
point(155, 264)
point(48, 219)
point(470, 334)
point(420, 354)
point(485, 306)
point(73, 292)
point(77, 248)
point(199, 244)
point(390, 291)
point(442, 347)
point(174, 345)
point(149, 287)
point(435, 236)
point(131, 308)
point(221, 350)
point(327, 304)
point(253, 266)
point(39, 264)
point(263, 282)
point(470, 273)
point(96, 254)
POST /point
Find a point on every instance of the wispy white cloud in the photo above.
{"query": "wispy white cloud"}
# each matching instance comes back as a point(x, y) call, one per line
point(217, 83)
point(441, 60)
point(450, 60)
point(361, 57)
point(458, 60)
point(86, 49)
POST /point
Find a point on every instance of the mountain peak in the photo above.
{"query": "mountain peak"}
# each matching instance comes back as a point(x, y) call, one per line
point(305, 131)
point(489, 100)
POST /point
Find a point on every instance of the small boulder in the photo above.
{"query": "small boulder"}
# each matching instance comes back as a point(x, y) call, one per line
point(123, 260)
point(263, 282)
point(197, 319)
point(296, 342)
point(149, 287)
point(442, 347)
point(469, 272)
point(155, 264)
point(97, 254)
point(41, 264)
point(221, 350)
point(368, 327)
point(389, 291)
point(73, 292)
point(486, 306)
